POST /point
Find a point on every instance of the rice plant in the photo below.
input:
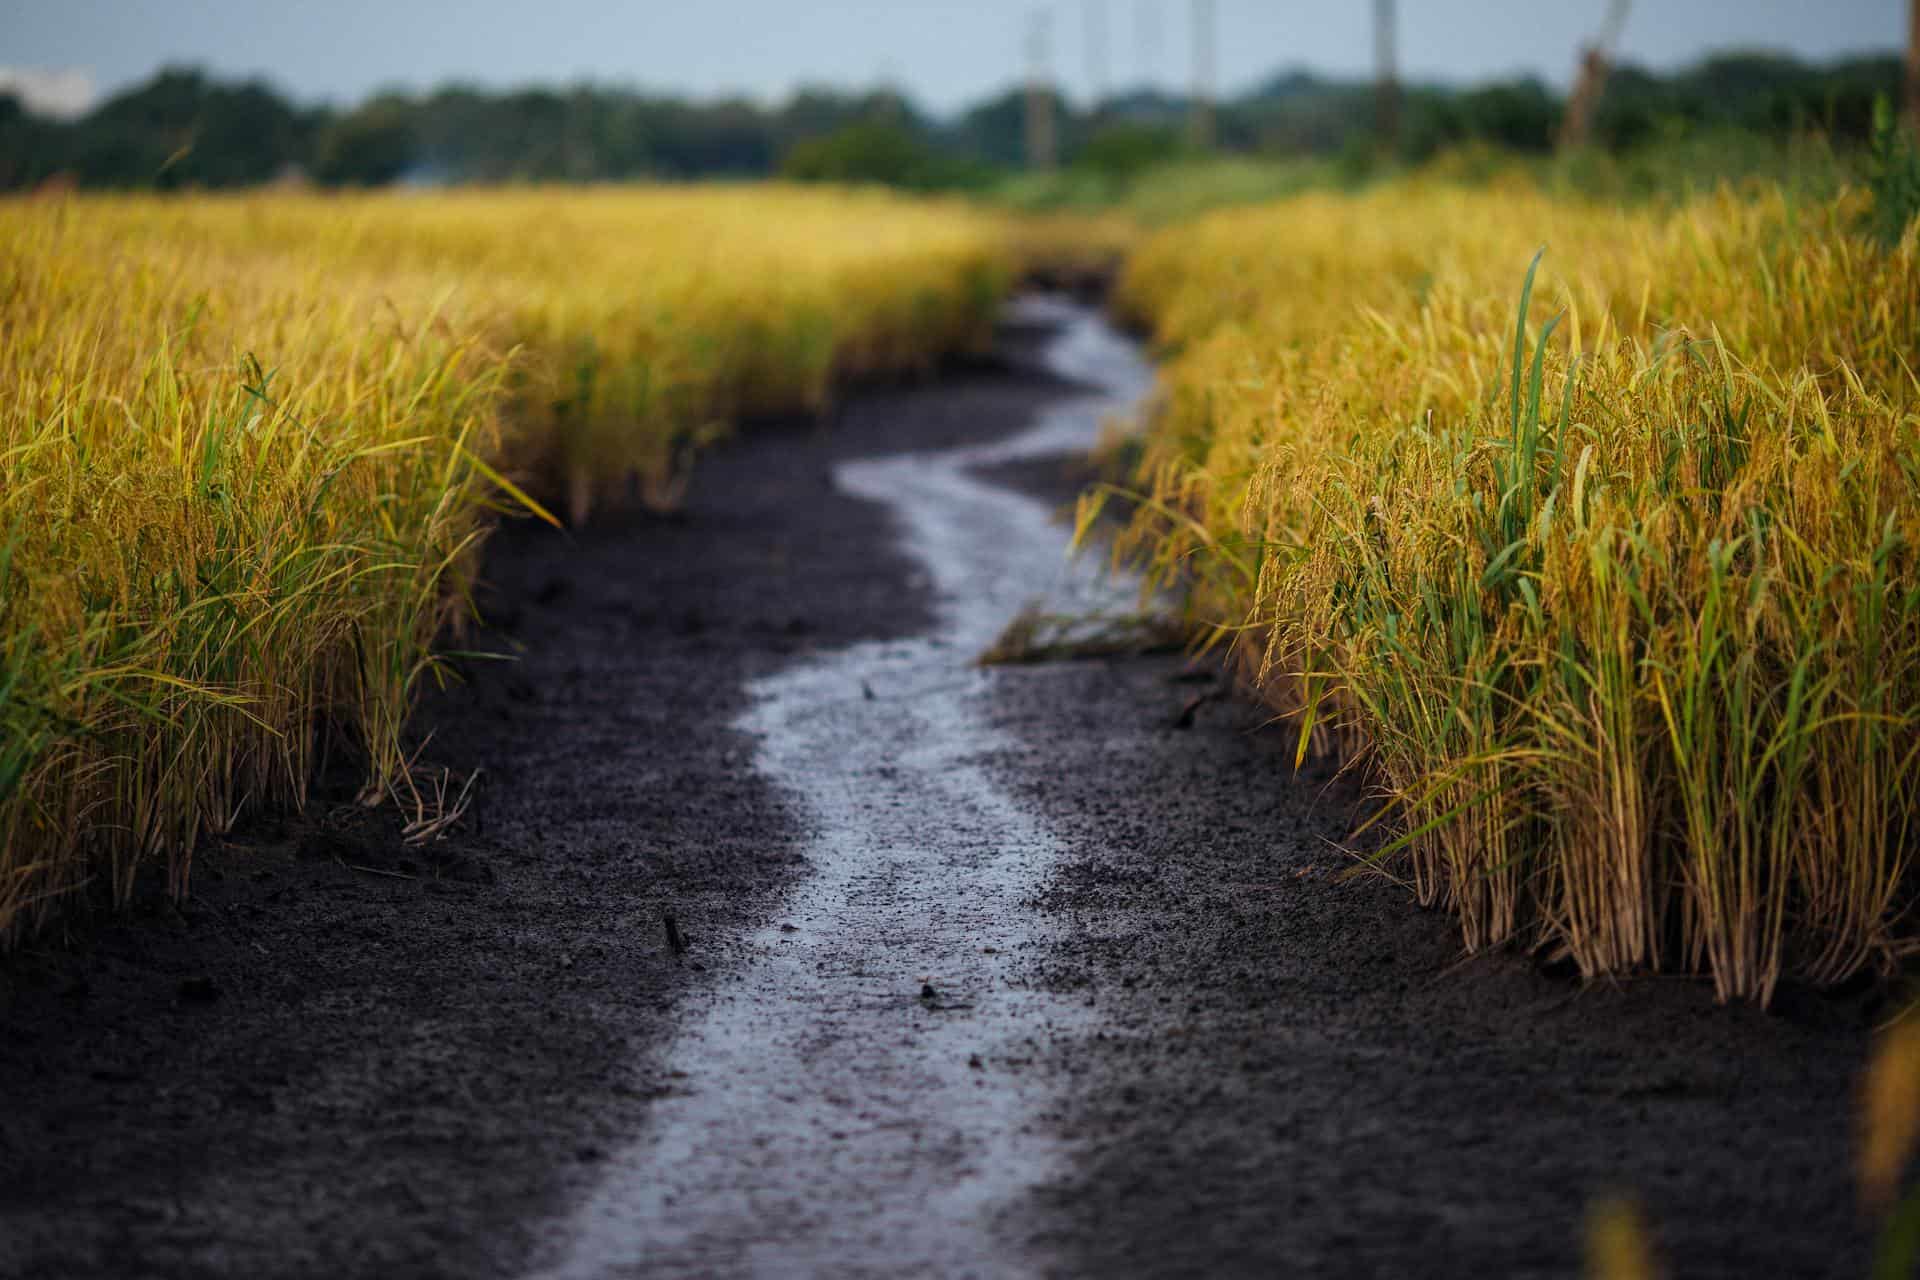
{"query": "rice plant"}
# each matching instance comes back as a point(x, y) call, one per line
point(251, 447)
point(1616, 604)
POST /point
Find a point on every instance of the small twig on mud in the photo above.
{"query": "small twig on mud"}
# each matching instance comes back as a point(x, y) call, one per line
point(376, 871)
point(435, 814)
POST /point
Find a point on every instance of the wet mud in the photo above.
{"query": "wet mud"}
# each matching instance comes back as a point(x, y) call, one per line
point(873, 1047)
point(970, 972)
point(1294, 1072)
point(346, 1057)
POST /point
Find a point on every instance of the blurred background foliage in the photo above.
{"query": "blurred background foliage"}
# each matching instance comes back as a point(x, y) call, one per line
point(1732, 114)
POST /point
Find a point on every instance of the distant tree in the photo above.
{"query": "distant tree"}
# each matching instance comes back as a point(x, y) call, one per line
point(1637, 107)
point(1299, 111)
point(995, 130)
point(867, 152)
point(878, 151)
point(1518, 114)
point(182, 129)
point(1148, 106)
point(31, 149)
point(1893, 174)
point(814, 111)
point(733, 137)
point(1770, 94)
point(1836, 100)
point(1122, 152)
point(369, 146)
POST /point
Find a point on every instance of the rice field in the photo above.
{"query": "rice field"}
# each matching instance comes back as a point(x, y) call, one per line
point(251, 445)
point(1586, 535)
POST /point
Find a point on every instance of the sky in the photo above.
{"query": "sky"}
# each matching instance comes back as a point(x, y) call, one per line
point(947, 53)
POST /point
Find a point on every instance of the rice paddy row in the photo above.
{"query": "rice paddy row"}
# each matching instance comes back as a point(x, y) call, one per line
point(250, 446)
point(1605, 575)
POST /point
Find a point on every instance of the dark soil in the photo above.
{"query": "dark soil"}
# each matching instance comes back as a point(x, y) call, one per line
point(1297, 1072)
point(349, 1058)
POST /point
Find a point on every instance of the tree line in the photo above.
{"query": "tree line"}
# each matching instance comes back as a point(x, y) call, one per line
point(184, 128)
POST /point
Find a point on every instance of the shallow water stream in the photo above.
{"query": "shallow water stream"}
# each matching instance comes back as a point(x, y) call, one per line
point(827, 1115)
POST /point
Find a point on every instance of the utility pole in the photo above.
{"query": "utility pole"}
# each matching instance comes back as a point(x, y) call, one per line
point(1596, 59)
point(1913, 67)
point(1200, 117)
point(1386, 108)
point(1095, 15)
point(1040, 140)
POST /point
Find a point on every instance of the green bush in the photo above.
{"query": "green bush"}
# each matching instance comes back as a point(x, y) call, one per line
point(1893, 173)
point(878, 152)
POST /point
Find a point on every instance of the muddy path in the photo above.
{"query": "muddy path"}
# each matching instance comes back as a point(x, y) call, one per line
point(984, 972)
point(854, 1099)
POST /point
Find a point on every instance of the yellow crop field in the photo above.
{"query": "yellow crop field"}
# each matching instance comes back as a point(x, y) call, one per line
point(1606, 575)
point(250, 445)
